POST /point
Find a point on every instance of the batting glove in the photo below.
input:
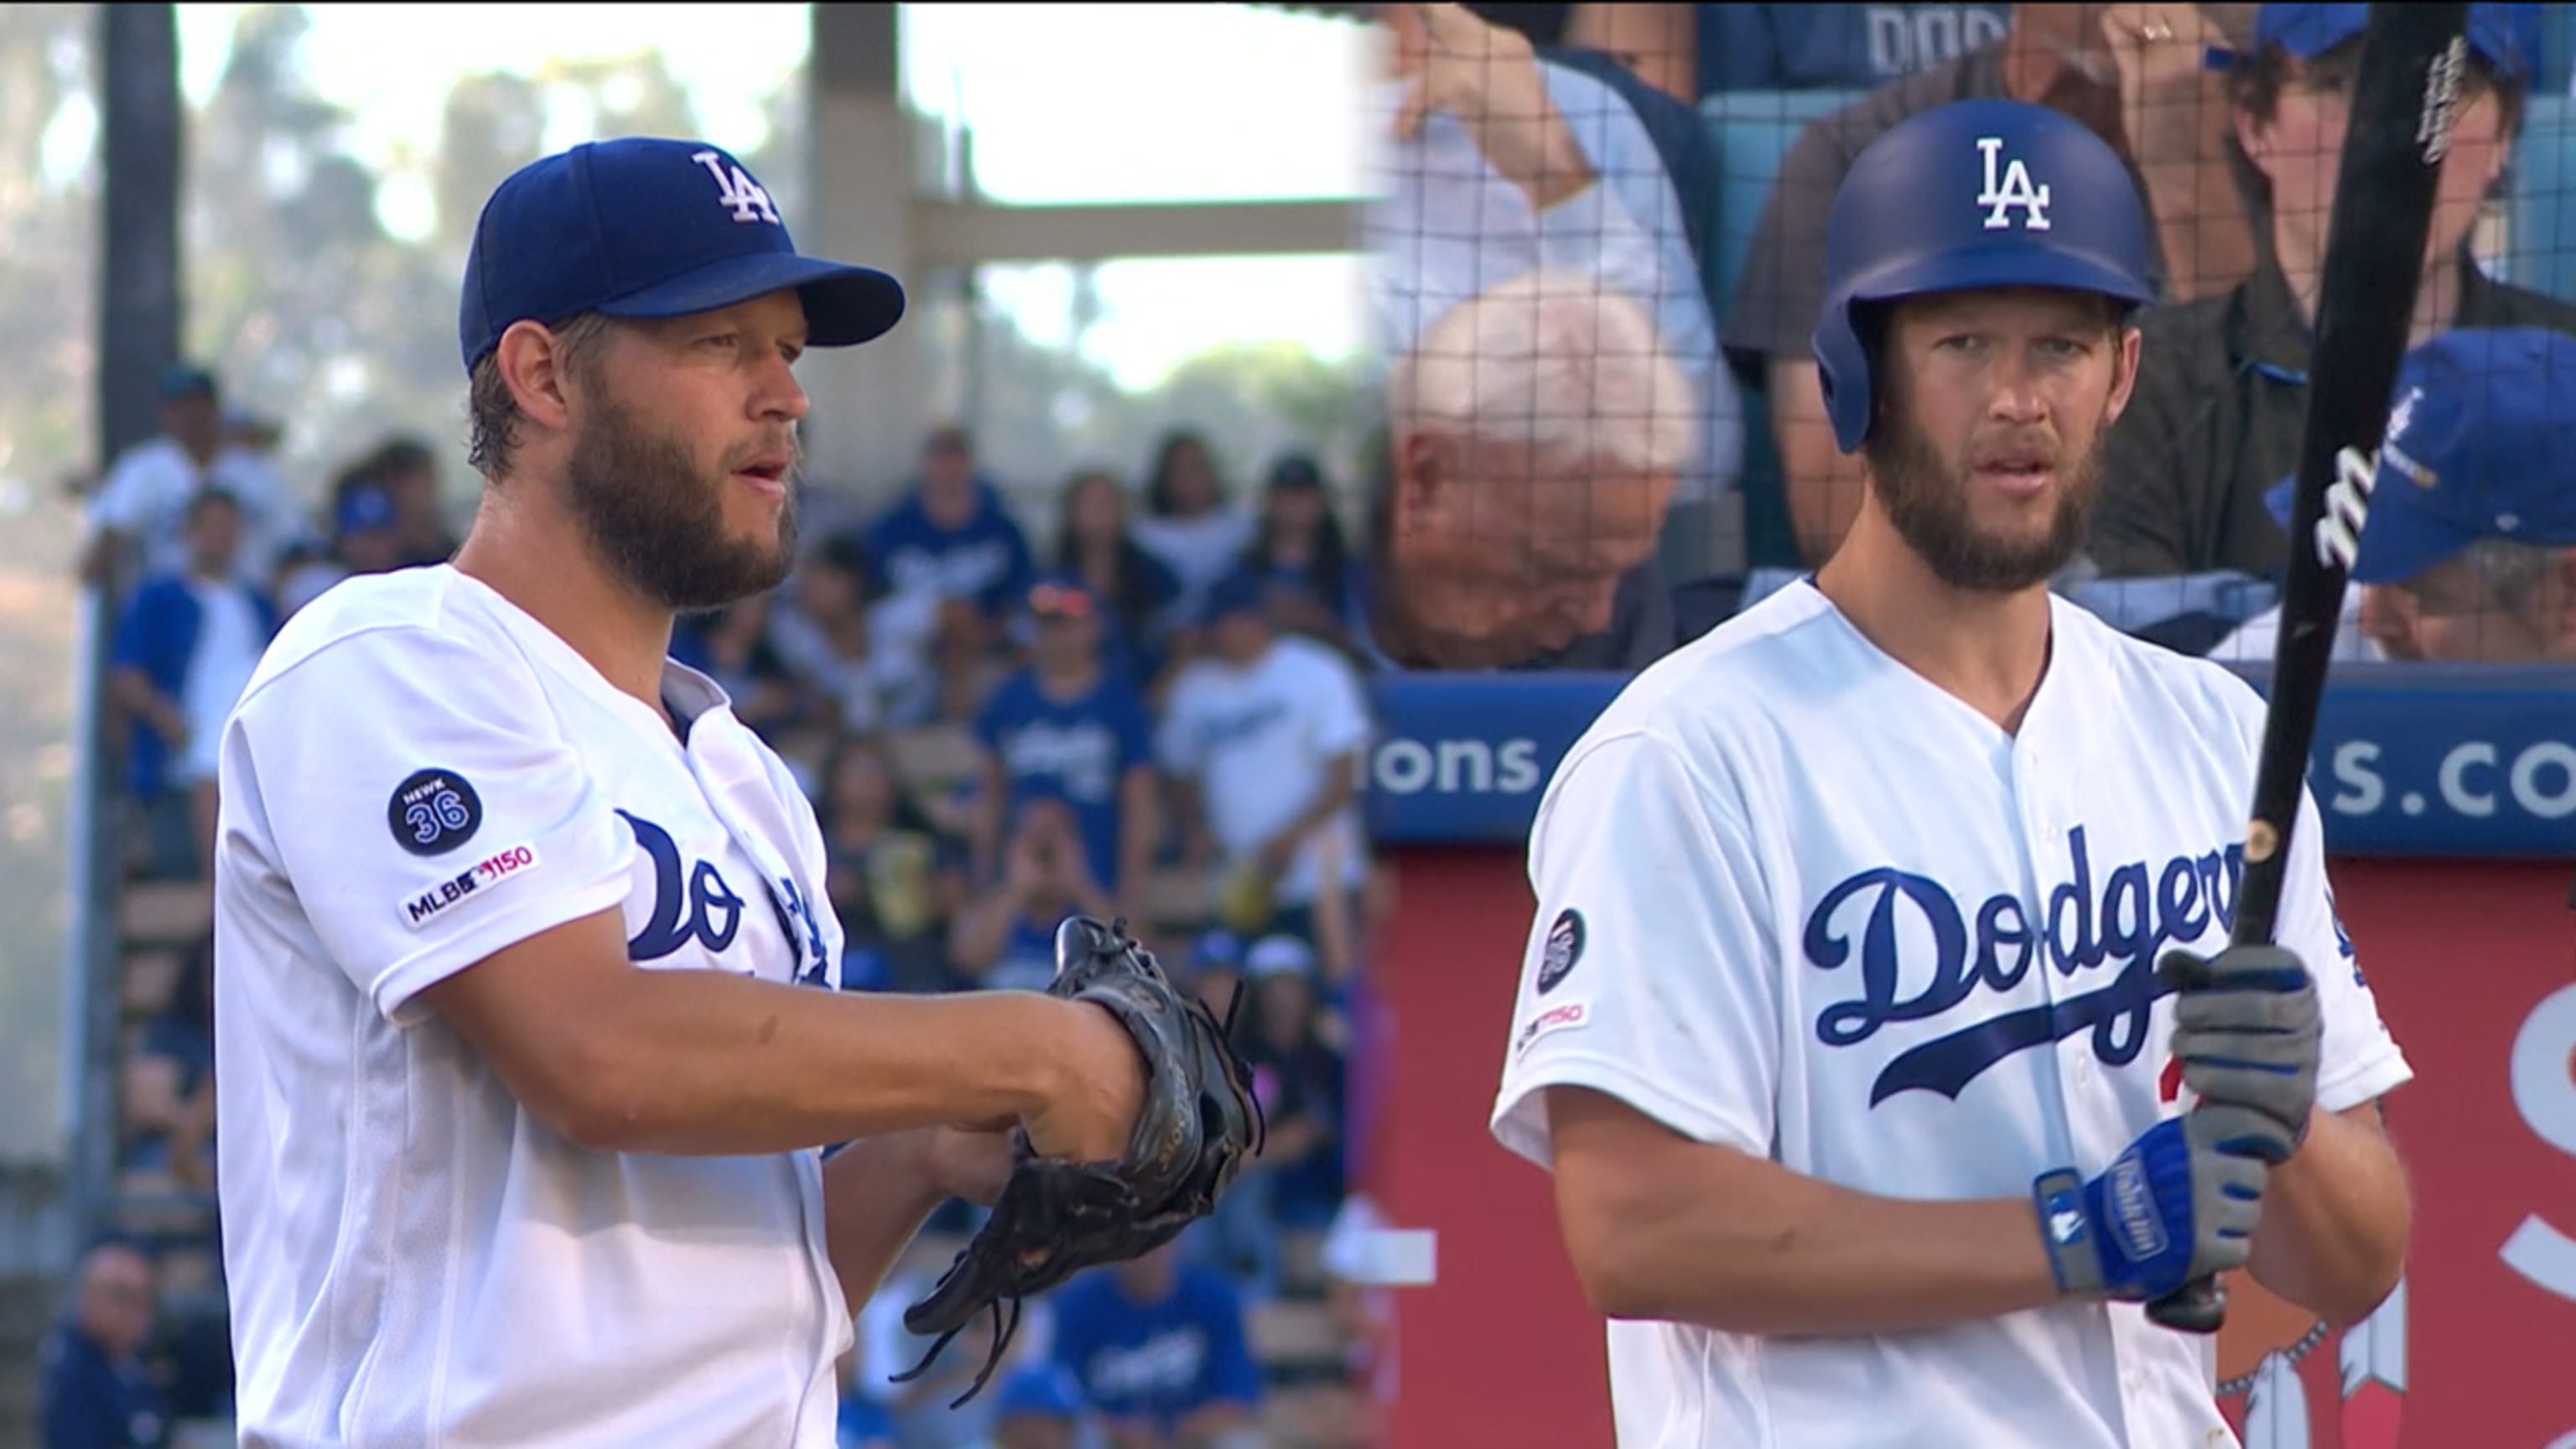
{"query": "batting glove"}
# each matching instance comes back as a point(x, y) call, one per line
point(2172, 1208)
point(2247, 1031)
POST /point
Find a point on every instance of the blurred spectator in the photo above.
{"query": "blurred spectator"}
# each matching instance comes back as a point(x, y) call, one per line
point(1189, 524)
point(1265, 738)
point(2131, 73)
point(1508, 536)
point(1066, 728)
point(94, 1391)
point(1040, 1407)
point(1503, 164)
point(366, 538)
point(1300, 551)
point(865, 649)
point(732, 647)
point(2469, 553)
point(1095, 544)
point(185, 648)
point(1215, 969)
point(1296, 1182)
point(1160, 1350)
point(892, 883)
point(950, 538)
point(864, 1424)
point(407, 470)
point(1004, 939)
point(147, 494)
point(2222, 385)
point(169, 1096)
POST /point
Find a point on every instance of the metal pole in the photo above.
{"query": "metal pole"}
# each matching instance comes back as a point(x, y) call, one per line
point(139, 315)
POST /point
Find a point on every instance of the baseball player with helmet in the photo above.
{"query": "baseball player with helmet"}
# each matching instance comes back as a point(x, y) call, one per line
point(1882, 932)
point(542, 1119)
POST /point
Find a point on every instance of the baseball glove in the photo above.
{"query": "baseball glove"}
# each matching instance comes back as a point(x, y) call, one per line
point(1056, 1218)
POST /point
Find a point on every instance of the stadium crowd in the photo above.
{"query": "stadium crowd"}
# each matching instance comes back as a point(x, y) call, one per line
point(1158, 717)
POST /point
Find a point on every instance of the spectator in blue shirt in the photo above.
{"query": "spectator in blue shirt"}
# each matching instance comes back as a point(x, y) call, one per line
point(1004, 940)
point(1068, 728)
point(186, 646)
point(950, 537)
point(1160, 1350)
point(1835, 47)
point(93, 1391)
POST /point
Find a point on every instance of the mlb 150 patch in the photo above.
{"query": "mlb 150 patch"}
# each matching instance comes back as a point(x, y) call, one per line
point(466, 884)
point(433, 812)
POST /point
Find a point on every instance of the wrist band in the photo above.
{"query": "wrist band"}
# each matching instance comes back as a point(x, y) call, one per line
point(2058, 1196)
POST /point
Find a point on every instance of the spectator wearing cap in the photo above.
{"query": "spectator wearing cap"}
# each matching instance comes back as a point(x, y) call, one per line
point(1300, 551)
point(2222, 392)
point(93, 1389)
point(407, 471)
point(366, 538)
point(145, 499)
point(950, 538)
point(1066, 727)
point(1095, 544)
point(1038, 1407)
point(186, 645)
point(1159, 1347)
point(1190, 524)
point(1265, 737)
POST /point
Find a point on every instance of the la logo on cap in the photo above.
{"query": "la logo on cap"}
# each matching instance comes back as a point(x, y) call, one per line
point(2013, 188)
point(736, 189)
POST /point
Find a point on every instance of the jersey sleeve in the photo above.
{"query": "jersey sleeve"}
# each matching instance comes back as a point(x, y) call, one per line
point(1648, 975)
point(417, 798)
point(2358, 1059)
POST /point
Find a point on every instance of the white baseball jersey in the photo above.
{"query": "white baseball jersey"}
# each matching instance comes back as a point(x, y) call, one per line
point(1796, 900)
point(419, 775)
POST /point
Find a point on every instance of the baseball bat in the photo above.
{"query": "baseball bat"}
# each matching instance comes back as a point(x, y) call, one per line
point(2403, 99)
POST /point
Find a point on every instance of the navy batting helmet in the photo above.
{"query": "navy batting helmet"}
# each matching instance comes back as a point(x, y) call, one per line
point(1973, 194)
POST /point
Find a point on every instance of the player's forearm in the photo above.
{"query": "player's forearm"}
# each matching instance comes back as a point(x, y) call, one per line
point(877, 1192)
point(696, 1062)
point(1790, 1254)
point(2335, 1220)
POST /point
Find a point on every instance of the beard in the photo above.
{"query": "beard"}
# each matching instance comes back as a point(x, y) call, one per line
point(1926, 498)
point(658, 521)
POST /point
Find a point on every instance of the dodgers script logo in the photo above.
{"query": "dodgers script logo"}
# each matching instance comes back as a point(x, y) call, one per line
point(2124, 927)
point(2013, 188)
point(690, 903)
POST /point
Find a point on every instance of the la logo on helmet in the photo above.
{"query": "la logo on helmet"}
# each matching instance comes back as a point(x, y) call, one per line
point(2013, 189)
point(751, 203)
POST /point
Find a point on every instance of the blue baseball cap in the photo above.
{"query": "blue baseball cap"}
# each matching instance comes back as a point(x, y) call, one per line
point(2507, 35)
point(2481, 444)
point(182, 379)
point(1047, 1390)
point(649, 227)
point(1240, 591)
point(363, 510)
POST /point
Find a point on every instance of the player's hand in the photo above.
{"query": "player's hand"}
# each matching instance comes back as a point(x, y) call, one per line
point(2177, 1205)
point(2246, 1031)
point(1101, 1089)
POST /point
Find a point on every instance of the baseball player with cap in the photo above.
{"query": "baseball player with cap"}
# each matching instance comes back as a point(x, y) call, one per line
point(1848, 1024)
point(524, 986)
